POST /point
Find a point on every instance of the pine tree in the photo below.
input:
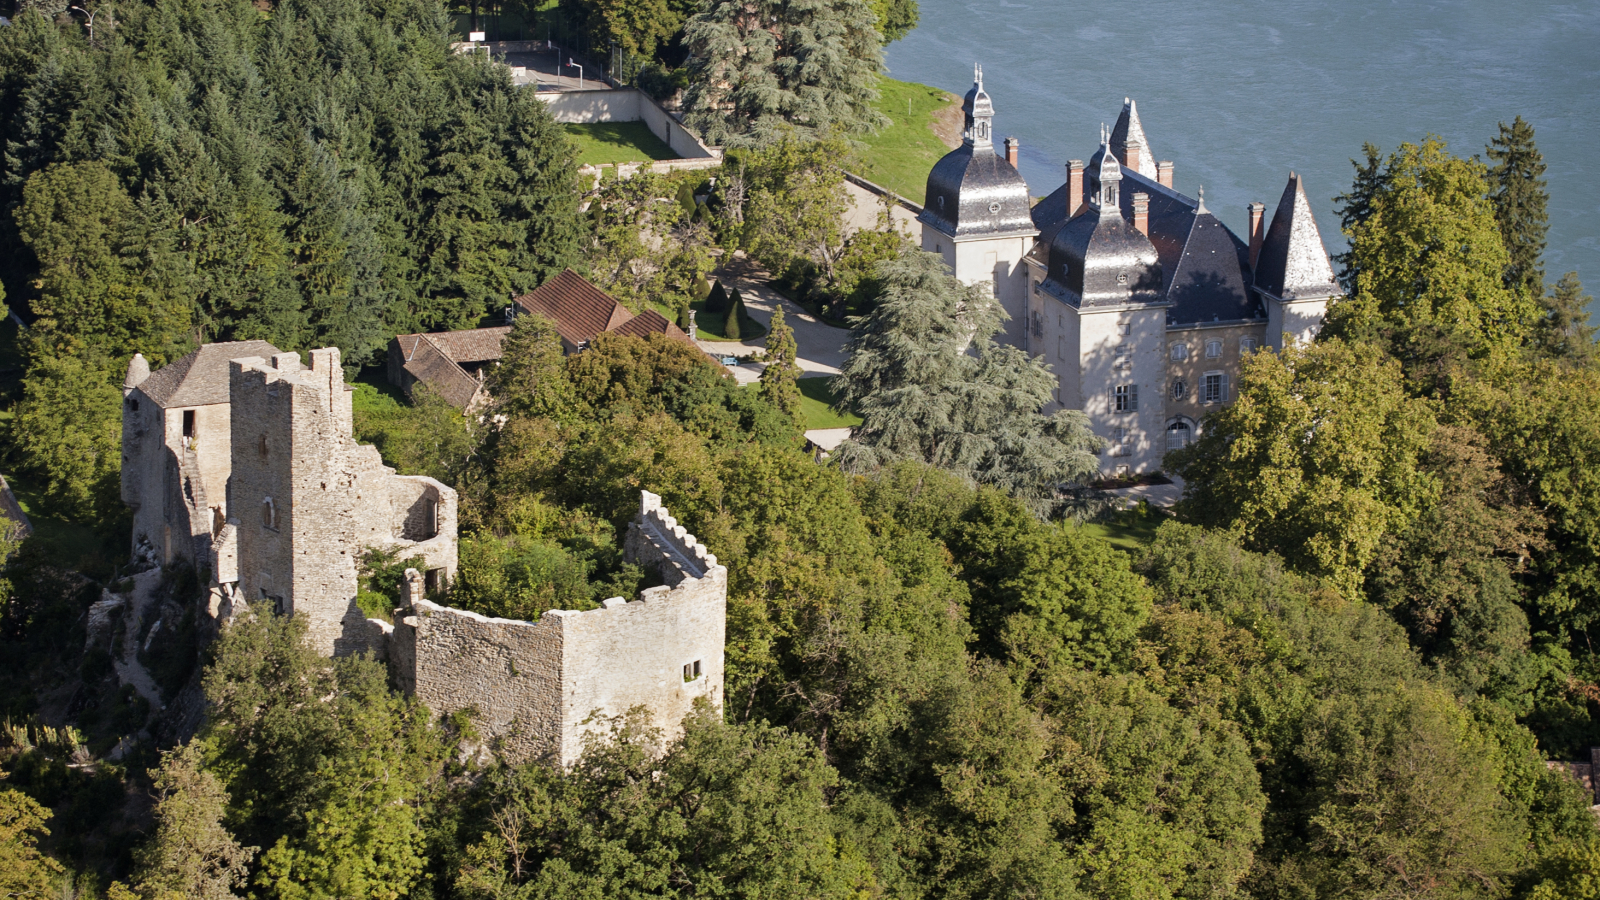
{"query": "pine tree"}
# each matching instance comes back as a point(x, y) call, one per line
point(923, 396)
point(1355, 206)
point(778, 379)
point(1517, 187)
point(1565, 332)
point(764, 68)
point(732, 326)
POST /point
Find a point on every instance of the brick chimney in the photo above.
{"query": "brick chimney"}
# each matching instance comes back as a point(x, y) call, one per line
point(1164, 173)
point(1256, 235)
point(1134, 151)
point(1012, 145)
point(1141, 213)
point(1074, 186)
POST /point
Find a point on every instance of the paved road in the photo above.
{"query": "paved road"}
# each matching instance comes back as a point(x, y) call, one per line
point(821, 345)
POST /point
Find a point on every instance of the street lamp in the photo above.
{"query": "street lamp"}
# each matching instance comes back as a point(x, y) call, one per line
point(573, 65)
point(88, 15)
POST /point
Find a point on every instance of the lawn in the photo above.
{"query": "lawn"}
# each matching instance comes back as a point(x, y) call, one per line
point(816, 404)
point(1129, 530)
point(603, 143)
point(899, 156)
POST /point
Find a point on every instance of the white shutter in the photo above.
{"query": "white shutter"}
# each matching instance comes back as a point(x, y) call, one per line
point(1224, 387)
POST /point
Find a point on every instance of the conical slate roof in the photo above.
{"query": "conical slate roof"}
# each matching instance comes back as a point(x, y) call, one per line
point(1293, 264)
point(1129, 130)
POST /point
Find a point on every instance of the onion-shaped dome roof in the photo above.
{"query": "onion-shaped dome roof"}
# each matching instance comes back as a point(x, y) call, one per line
point(973, 190)
point(1098, 258)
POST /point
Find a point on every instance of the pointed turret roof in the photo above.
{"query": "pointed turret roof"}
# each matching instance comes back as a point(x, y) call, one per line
point(1128, 130)
point(1293, 264)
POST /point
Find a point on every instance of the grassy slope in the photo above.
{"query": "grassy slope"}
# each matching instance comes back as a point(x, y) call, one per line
point(617, 142)
point(899, 156)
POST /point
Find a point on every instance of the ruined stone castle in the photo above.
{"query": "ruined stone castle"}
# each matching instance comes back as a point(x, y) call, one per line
point(240, 461)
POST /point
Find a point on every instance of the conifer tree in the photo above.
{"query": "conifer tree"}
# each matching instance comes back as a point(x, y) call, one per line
point(733, 327)
point(1355, 206)
point(717, 300)
point(1565, 332)
point(778, 378)
point(924, 396)
point(1517, 187)
point(760, 68)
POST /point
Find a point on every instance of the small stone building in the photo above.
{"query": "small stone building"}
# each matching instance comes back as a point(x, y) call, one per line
point(240, 461)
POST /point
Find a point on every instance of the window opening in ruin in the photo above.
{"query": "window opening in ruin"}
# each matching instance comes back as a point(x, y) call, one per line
point(269, 514)
point(133, 403)
point(433, 581)
point(691, 671)
point(261, 446)
point(188, 424)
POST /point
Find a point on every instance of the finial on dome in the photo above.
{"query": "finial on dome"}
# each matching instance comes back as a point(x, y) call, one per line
point(1202, 197)
point(977, 75)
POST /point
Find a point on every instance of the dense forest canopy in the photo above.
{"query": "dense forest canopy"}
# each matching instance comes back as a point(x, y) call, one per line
point(1338, 670)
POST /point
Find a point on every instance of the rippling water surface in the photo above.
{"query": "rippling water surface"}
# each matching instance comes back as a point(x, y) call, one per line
point(1237, 92)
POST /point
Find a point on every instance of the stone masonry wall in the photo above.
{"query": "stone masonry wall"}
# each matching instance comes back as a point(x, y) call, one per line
point(536, 685)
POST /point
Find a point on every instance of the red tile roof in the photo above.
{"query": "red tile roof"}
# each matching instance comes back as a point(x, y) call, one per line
point(652, 322)
point(579, 309)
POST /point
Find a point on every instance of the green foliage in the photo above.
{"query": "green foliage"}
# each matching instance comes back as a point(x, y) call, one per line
point(522, 578)
point(24, 871)
point(67, 429)
point(1047, 590)
point(733, 325)
point(429, 436)
point(623, 371)
point(729, 810)
point(1564, 331)
point(1427, 265)
point(922, 397)
point(646, 247)
point(896, 18)
point(191, 854)
point(531, 378)
point(326, 174)
point(717, 300)
point(1517, 187)
point(323, 765)
point(784, 202)
point(778, 378)
point(1317, 460)
point(759, 69)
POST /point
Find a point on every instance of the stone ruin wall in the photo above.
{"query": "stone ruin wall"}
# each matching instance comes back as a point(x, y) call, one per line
point(533, 684)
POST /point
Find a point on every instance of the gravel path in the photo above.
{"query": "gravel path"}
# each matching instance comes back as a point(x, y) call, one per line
point(821, 346)
point(129, 669)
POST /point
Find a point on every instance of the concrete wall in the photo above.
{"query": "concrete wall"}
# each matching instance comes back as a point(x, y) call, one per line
point(627, 105)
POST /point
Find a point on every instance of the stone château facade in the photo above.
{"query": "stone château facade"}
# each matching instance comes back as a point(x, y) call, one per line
point(1140, 300)
point(240, 461)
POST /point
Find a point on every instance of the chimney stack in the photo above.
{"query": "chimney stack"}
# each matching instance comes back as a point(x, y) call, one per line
point(1164, 173)
point(1074, 186)
point(1256, 211)
point(1133, 151)
point(1141, 213)
point(1012, 145)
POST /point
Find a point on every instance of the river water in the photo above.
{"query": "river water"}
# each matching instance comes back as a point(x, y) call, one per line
point(1239, 92)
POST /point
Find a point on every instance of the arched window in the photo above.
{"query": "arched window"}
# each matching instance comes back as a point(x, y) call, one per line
point(269, 514)
point(1179, 434)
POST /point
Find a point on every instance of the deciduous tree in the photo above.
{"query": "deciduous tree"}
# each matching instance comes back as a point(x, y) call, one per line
point(1318, 460)
point(191, 854)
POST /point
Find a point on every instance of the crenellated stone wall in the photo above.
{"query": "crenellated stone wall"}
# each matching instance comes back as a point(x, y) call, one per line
point(534, 686)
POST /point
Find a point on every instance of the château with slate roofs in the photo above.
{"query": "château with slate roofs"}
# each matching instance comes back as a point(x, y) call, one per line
point(1141, 301)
